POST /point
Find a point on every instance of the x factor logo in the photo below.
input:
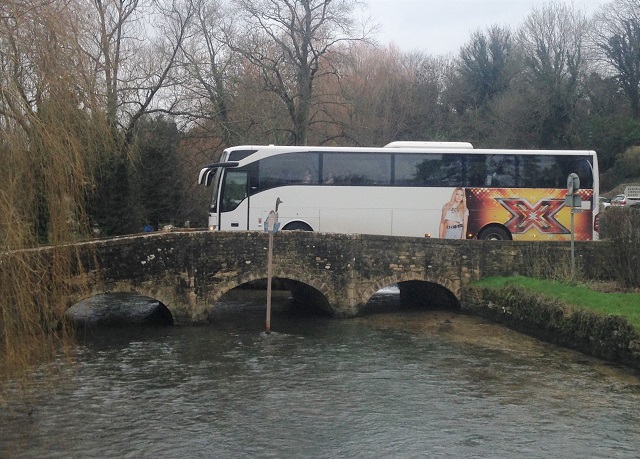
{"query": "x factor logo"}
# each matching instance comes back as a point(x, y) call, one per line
point(540, 216)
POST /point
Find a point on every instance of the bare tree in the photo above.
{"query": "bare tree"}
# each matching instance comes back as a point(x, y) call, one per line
point(288, 41)
point(133, 46)
point(392, 95)
point(551, 41)
point(134, 49)
point(616, 34)
point(210, 75)
point(374, 84)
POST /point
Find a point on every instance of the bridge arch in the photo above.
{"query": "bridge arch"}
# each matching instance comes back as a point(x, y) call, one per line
point(221, 288)
point(176, 292)
point(304, 287)
point(301, 277)
point(119, 308)
point(445, 282)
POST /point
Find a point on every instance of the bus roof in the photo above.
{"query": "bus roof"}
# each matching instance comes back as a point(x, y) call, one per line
point(265, 151)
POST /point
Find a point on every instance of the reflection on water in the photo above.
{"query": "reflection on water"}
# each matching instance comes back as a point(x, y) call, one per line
point(402, 384)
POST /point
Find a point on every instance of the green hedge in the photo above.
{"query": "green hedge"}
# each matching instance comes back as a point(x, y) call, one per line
point(621, 225)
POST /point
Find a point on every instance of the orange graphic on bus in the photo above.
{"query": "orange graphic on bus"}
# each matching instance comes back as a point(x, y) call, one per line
point(540, 215)
point(529, 214)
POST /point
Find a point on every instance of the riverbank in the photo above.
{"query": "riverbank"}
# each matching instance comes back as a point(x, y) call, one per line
point(591, 330)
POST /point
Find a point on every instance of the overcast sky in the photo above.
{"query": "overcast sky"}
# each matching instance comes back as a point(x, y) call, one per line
point(443, 26)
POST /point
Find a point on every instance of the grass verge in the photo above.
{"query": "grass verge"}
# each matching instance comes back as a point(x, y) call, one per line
point(582, 296)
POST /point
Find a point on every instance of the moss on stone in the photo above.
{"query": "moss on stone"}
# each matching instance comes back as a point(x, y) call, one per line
point(609, 337)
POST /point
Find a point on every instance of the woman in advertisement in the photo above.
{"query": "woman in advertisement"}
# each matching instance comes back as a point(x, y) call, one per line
point(455, 216)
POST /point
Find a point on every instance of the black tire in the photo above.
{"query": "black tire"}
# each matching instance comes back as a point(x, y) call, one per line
point(494, 233)
point(297, 226)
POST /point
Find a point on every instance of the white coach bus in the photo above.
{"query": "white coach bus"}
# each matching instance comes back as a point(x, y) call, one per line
point(425, 189)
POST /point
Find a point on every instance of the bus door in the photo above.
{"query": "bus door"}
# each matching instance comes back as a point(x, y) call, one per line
point(234, 201)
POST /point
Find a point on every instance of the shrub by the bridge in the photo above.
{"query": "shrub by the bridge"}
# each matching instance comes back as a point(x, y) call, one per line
point(621, 226)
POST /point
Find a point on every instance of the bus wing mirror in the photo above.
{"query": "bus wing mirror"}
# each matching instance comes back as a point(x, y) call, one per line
point(207, 172)
point(206, 176)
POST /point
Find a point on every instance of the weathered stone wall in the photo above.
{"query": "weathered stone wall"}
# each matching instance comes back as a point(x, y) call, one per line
point(607, 337)
point(189, 271)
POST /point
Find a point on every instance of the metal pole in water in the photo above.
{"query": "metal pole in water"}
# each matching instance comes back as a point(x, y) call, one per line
point(269, 275)
point(271, 226)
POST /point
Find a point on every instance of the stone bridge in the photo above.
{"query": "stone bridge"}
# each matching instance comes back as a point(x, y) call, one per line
point(189, 271)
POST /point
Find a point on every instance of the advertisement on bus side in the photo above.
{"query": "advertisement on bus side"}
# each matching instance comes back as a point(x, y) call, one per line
point(529, 214)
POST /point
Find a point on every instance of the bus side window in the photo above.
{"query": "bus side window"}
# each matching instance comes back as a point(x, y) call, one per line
point(541, 171)
point(580, 166)
point(288, 169)
point(405, 171)
point(500, 171)
point(449, 171)
point(359, 169)
point(476, 176)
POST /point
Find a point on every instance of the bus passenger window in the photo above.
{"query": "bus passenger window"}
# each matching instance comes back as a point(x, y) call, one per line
point(500, 171)
point(476, 173)
point(358, 169)
point(288, 169)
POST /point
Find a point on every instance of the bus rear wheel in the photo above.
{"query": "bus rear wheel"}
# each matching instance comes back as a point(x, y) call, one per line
point(296, 226)
point(494, 233)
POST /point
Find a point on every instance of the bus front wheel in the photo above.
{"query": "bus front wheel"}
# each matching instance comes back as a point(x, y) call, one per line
point(297, 226)
point(494, 233)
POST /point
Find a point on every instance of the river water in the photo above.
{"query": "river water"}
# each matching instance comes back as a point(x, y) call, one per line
point(408, 384)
